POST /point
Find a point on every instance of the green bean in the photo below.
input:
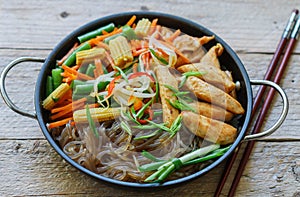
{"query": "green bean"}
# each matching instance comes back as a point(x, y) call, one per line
point(49, 86)
point(128, 32)
point(108, 28)
point(87, 88)
point(72, 58)
point(56, 76)
point(82, 68)
point(90, 70)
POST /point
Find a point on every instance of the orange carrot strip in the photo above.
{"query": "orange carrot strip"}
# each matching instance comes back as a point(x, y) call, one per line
point(60, 62)
point(103, 45)
point(181, 55)
point(135, 68)
point(138, 52)
point(67, 111)
point(75, 72)
point(76, 67)
point(109, 58)
point(58, 109)
point(94, 41)
point(94, 105)
point(104, 32)
point(153, 26)
point(131, 20)
point(138, 104)
point(59, 123)
point(174, 35)
point(158, 28)
point(99, 70)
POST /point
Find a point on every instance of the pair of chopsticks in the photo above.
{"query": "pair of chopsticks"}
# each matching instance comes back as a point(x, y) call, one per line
point(280, 60)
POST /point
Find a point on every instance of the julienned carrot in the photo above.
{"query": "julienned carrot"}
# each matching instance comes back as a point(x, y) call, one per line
point(110, 59)
point(184, 59)
point(153, 26)
point(99, 70)
point(96, 40)
point(145, 59)
point(174, 35)
point(76, 73)
point(58, 109)
point(76, 67)
point(60, 62)
point(59, 123)
point(138, 52)
point(131, 20)
point(67, 111)
point(135, 68)
point(158, 28)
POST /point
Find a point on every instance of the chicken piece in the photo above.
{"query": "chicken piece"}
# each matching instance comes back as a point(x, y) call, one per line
point(211, 57)
point(166, 78)
point(233, 92)
point(212, 75)
point(212, 111)
point(209, 129)
point(211, 94)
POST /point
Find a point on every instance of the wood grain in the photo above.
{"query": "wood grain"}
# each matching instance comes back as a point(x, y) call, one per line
point(29, 166)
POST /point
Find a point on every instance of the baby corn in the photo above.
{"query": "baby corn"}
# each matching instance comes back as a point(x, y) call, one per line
point(89, 54)
point(100, 114)
point(120, 51)
point(50, 101)
point(142, 28)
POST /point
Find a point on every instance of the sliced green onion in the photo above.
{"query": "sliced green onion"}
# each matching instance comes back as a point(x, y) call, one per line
point(162, 60)
point(91, 121)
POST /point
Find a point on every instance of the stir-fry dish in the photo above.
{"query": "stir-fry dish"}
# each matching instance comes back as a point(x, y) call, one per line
point(142, 102)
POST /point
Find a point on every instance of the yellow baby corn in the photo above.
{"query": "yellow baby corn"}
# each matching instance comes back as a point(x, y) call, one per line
point(142, 28)
point(100, 114)
point(50, 101)
point(89, 54)
point(120, 51)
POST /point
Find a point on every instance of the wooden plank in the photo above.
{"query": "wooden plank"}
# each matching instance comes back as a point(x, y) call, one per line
point(248, 26)
point(32, 167)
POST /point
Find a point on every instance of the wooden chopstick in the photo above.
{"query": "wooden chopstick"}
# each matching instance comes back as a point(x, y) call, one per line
point(265, 107)
point(271, 69)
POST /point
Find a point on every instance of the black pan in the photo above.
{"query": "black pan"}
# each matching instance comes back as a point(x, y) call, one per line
point(229, 59)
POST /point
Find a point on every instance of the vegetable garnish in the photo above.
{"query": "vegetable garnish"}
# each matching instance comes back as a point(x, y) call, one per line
point(161, 59)
point(165, 167)
point(188, 74)
point(91, 121)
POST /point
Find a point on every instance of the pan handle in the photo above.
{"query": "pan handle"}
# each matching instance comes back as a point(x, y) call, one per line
point(283, 115)
point(3, 91)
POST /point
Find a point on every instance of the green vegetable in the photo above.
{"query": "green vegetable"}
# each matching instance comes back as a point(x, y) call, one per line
point(106, 40)
point(108, 28)
point(91, 121)
point(126, 128)
point(165, 168)
point(56, 76)
point(162, 60)
point(72, 58)
point(181, 105)
point(49, 86)
point(128, 32)
point(149, 135)
point(84, 89)
point(188, 74)
point(90, 70)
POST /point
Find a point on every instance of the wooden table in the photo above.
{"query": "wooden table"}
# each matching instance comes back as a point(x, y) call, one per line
point(30, 167)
